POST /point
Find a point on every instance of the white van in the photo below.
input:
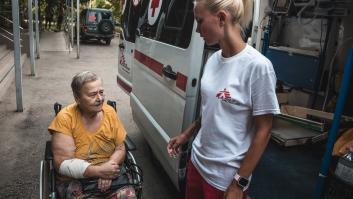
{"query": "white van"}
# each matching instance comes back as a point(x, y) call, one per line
point(161, 58)
point(160, 65)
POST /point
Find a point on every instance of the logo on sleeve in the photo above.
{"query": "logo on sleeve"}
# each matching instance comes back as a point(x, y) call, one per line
point(225, 96)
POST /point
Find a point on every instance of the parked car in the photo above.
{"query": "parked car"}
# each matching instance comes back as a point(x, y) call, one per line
point(97, 23)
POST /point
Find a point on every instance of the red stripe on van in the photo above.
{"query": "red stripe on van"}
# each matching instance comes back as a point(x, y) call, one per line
point(153, 64)
point(181, 81)
point(123, 84)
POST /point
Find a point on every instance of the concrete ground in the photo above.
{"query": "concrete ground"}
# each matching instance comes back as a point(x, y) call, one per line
point(23, 134)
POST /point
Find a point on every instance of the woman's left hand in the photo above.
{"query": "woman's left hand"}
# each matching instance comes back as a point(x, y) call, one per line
point(104, 184)
point(233, 192)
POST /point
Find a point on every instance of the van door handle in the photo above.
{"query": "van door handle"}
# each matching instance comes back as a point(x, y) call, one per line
point(122, 46)
point(168, 72)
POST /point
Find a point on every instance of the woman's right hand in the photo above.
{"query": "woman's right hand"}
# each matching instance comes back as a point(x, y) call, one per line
point(175, 144)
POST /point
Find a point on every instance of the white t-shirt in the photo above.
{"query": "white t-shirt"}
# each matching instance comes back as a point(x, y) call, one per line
point(233, 90)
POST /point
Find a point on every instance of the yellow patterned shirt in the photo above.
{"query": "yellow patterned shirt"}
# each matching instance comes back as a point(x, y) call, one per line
point(94, 147)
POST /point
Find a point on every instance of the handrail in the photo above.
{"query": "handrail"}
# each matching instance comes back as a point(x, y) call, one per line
point(6, 31)
point(10, 39)
point(3, 29)
point(6, 37)
point(8, 20)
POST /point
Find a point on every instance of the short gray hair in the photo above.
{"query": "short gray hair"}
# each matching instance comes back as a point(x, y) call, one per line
point(80, 79)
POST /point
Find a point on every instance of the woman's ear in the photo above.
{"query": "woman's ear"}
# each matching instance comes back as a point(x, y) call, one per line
point(222, 15)
point(77, 100)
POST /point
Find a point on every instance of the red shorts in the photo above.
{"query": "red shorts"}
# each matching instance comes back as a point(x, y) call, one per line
point(198, 188)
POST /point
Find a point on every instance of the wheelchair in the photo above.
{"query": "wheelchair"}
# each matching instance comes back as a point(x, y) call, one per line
point(47, 185)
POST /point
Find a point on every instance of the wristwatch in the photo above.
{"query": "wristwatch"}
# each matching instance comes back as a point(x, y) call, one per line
point(241, 181)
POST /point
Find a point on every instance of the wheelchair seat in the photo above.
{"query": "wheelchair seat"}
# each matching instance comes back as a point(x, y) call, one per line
point(47, 172)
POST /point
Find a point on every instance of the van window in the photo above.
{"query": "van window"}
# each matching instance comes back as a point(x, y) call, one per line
point(178, 25)
point(130, 17)
point(174, 24)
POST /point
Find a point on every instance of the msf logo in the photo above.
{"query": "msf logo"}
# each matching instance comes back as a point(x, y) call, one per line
point(225, 96)
point(122, 62)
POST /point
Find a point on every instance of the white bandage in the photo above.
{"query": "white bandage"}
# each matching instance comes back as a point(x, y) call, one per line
point(74, 168)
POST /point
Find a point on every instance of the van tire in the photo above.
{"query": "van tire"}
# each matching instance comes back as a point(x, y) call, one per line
point(107, 41)
point(105, 26)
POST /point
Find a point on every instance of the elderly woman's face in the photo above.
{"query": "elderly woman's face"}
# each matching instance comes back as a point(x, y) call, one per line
point(92, 96)
point(208, 24)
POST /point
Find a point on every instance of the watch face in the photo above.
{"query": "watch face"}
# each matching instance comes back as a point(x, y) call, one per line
point(243, 182)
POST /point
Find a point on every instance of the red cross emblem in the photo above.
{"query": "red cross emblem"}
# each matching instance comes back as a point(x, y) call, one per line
point(154, 6)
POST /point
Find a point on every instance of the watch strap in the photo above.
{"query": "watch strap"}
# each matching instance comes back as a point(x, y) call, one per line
point(238, 178)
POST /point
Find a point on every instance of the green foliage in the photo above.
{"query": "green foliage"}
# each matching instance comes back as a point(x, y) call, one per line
point(113, 5)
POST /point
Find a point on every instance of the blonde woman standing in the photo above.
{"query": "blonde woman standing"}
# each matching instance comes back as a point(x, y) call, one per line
point(238, 104)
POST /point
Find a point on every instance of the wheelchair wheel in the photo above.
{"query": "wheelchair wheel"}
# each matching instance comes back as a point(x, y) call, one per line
point(139, 194)
point(44, 180)
point(137, 174)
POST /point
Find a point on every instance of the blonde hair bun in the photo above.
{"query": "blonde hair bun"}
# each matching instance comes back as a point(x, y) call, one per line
point(240, 10)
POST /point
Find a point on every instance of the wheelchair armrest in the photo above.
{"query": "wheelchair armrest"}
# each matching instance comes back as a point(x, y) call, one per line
point(129, 144)
point(48, 152)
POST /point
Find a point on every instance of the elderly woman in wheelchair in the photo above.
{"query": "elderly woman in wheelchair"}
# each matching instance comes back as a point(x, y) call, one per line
point(88, 146)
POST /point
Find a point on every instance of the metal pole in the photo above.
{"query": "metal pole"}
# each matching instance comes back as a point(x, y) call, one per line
point(78, 28)
point(37, 28)
point(17, 57)
point(348, 69)
point(72, 23)
point(31, 38)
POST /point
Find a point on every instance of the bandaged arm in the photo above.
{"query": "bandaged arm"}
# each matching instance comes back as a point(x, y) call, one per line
point(74, 168)
point(63, 147)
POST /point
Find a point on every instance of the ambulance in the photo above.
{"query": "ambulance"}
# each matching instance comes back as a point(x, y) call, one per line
point(161, 57)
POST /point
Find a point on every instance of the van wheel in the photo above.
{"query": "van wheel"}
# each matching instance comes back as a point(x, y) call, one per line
point(107, 41)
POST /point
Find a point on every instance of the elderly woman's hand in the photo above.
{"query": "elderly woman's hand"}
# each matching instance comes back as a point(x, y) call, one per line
point(104, 184)
point(108, 170)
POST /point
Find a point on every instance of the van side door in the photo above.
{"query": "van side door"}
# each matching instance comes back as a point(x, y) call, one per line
point(167, 64)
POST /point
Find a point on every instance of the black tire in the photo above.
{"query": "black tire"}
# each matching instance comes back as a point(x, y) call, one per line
point(108, 41)
point(105, 26)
